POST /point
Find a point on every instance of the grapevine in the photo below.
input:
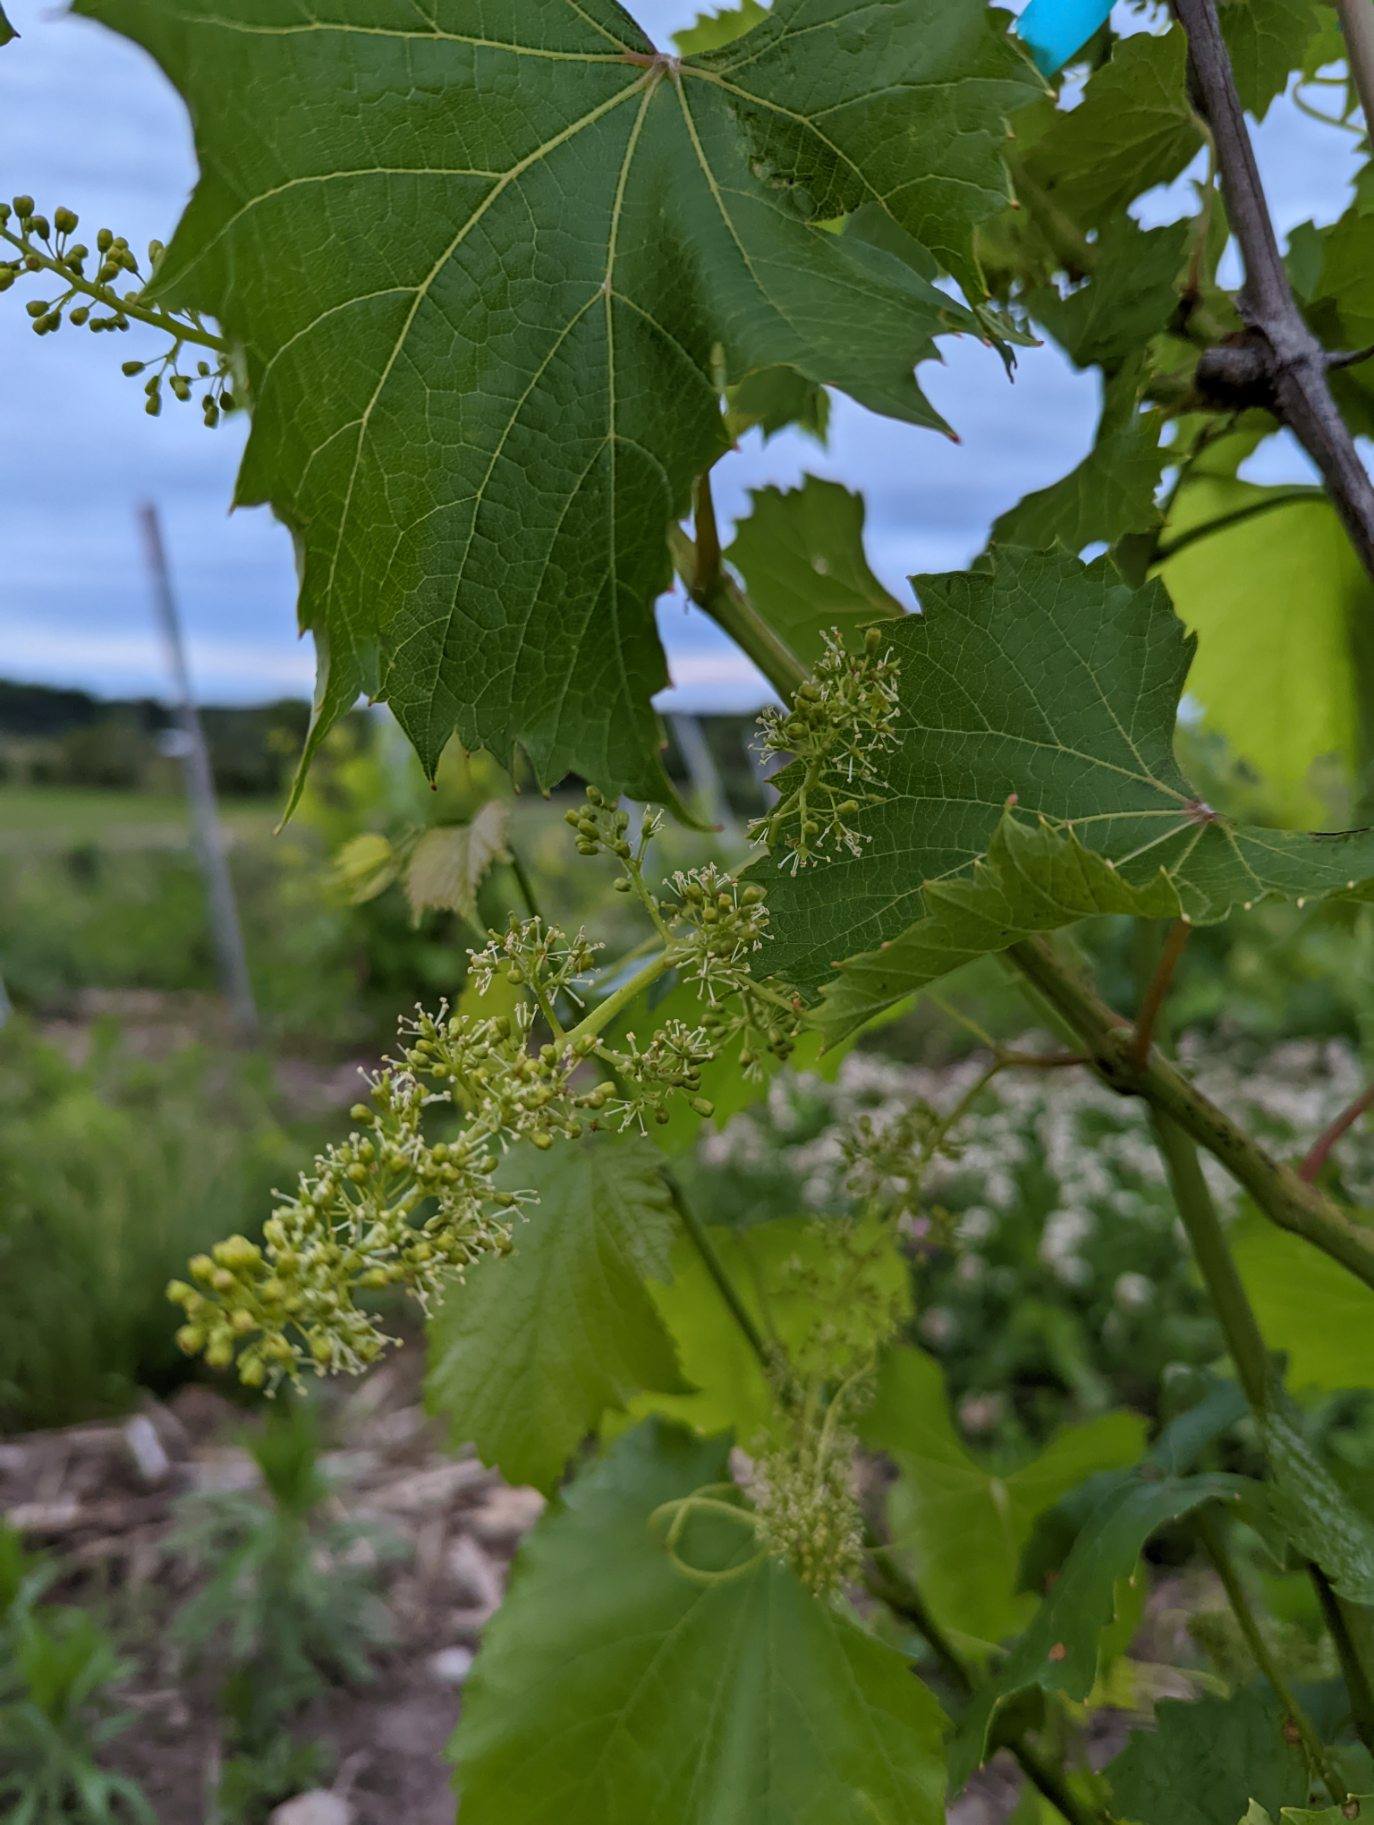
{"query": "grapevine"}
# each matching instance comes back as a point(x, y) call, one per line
point(489, 402)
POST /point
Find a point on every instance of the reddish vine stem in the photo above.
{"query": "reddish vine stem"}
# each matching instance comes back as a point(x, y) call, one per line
point(1320, 1151)
point(1284, 364)
point(1157, 989)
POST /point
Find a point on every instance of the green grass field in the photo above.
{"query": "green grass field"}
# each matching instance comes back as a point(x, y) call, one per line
point(49, 817)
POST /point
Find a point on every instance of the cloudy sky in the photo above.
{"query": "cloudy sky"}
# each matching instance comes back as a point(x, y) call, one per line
point(87, 120)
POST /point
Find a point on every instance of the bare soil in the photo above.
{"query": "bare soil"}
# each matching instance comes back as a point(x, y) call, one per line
point(102, 1500)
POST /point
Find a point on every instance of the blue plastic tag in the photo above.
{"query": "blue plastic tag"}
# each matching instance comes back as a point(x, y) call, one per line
point(1052, 30)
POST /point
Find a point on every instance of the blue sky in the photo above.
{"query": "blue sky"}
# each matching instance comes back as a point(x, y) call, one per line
point(87, 120)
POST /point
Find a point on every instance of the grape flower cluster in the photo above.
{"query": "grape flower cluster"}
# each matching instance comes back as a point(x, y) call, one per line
point(840, 724)
point(105, 290)
point(410, 1199)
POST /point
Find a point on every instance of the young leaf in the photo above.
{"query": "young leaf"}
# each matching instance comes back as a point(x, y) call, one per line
point(1203, 1763)
point(1133, 129)
point(801, 555)
point(961, 1528)
point(1266, 39)
point(7, 31)
point(1052, 687)
point(1110, 493)
point(365, 866)
point(532, 1349)
point(487, 272)
point(612, 1689)
point(1130, 297)
point(1284, 690)
point(450, 862)
point(1059, 1651)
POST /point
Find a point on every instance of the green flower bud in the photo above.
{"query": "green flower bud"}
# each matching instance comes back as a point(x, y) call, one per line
point(65, 220)
point(23, 207)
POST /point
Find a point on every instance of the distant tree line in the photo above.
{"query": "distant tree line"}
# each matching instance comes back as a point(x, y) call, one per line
point(60, 737)
point(51, 736)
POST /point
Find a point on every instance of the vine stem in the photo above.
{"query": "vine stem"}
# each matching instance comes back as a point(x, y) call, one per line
point(618, 1000)
point(523, 882)
point(894, 1586)
point(1245, 1345)
point(1108, 1038)
point(1321, 1149)
point(182, 330)
point(726, 603)
point(1214, 1545)
point(1152, 1002)
point(1281, 497)
point(1215, 1262)
point(710, 1259)
point(1357, 25)
point(1294, 368)
point(1353, 1650)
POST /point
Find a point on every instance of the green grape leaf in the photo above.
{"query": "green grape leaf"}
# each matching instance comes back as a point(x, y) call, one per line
point(801, 555)
point(918, 148)
point(1283, 693)
point(1110, 494)
point(488, 272)
point(531, 1350)
point(1130, 297)
point(1267, 40)
point(1059, 1651)
point(1033, 782)
point(450, 862)
point(612, 1689)
point(732, 1393)
point(961, 1528)
point(1132, 129)
point(1346, 273)
point(1288, 1282)
point(1204, 1762)
point(712, 31)
point(1319, 1517)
